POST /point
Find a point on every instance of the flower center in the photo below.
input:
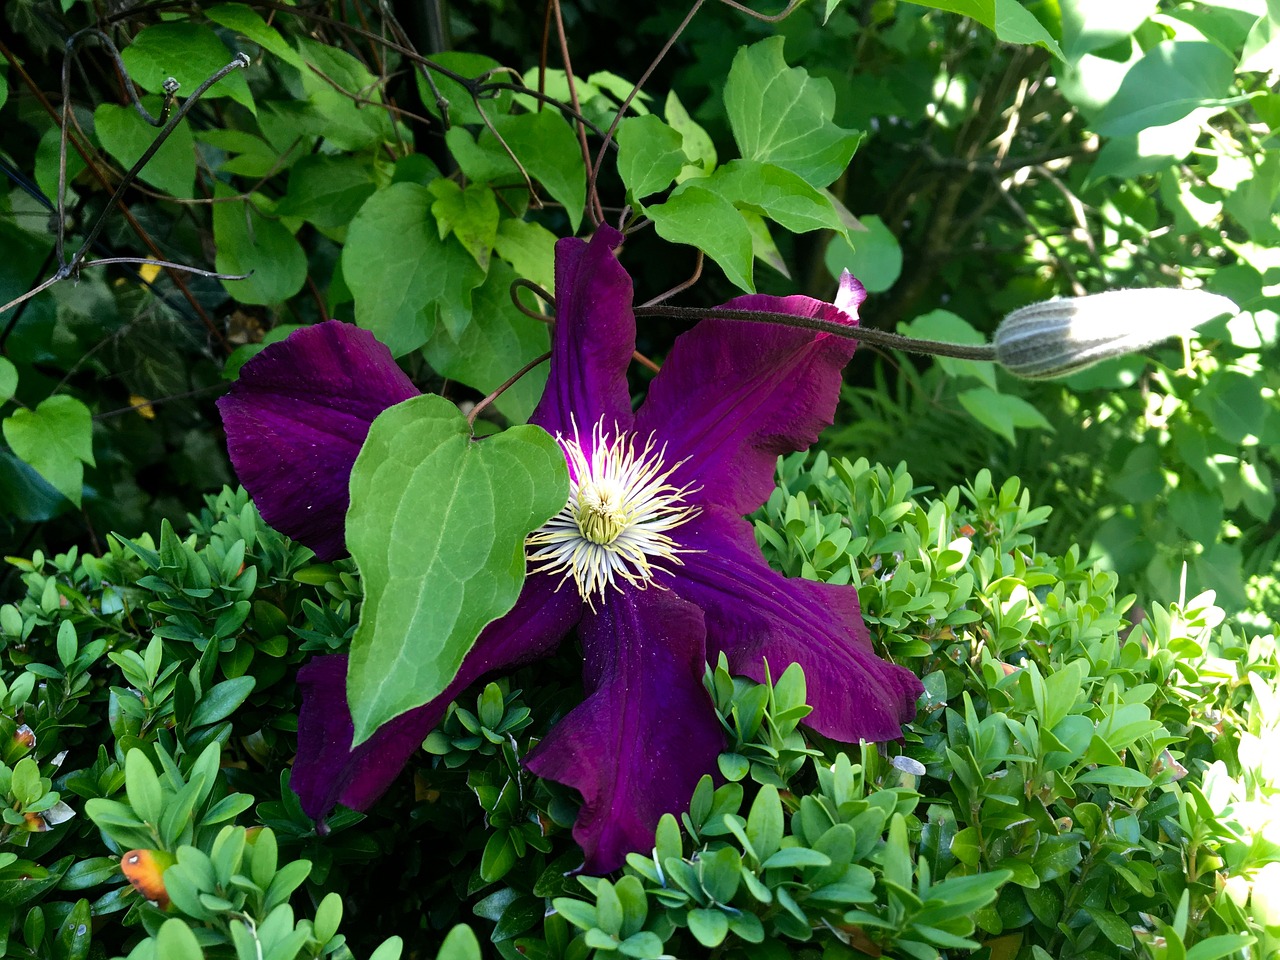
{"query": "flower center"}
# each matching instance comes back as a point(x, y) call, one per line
point(615, 525)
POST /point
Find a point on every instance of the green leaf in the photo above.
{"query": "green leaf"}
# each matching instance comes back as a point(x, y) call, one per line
point(797, 857)
point(704, 219)
point(546, 147)
point(143, 787)
point(251, 243)
point(188, 52)
point(650, 155)
point(781, 115)
point(56, 439)
point(126, 136)
point(1089, 25)
point(1261, 51)
point(1115, 777)
point(873, 255)
point(709, 927)
point(437, 526)
point(470, 214)
point(696, 142)
point(530, 248)
point(1223, 945)
point(460, 944)
point(402, 274)
point(776, 193)
point(764, 822)
point(175, 941)
point(463, 109)
point(1167, 84)
point(331, 80)
point(248, 24)
point(221, 701)
point(1007, 19)
point(8, 380)
point(645, 945)
point(498, 858)
point(327, 190)
point(494, 346)
point(1001, 413)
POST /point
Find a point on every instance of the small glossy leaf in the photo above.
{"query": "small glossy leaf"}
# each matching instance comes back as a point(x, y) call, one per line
point(460, 944)
point(222, 700)
point(709, 927)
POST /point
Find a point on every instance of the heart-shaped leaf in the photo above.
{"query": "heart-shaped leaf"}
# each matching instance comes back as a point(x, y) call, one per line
point(437, 526)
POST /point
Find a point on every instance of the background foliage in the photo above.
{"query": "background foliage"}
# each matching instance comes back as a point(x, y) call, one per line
point(1081, 796)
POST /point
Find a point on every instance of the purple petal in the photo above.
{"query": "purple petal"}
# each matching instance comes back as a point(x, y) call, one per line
point(637, 746)
point(755, 614)
point(595, 335)
point(733, 395)
point(327, 771)
point(296, 420)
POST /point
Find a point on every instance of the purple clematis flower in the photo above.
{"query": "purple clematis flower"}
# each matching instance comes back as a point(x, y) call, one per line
point(650, 561)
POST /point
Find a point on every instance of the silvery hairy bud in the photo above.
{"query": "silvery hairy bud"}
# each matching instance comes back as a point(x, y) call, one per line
point(1062, 336)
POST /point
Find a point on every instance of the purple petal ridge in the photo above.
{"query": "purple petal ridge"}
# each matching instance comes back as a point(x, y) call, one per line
point(647, 732)
point(594, 337)
point(327, 771)
point(733, 395)
point(755, 614)
point(296, 420)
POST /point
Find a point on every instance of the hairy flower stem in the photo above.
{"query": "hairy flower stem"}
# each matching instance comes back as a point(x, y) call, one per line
point(881, 338)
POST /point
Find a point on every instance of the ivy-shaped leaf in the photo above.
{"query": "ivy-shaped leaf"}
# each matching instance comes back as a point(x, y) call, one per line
point(56, 440)
point(497, 342)
point(189, 53)
point(126, 136)
point(402, 274)
point(546, 147)
point(704, 219)
point(249, 242)
point(470, 214)
point(781, 115)
point(650, 155)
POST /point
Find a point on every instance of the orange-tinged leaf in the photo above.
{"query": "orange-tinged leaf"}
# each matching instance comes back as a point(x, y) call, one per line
point(145, 870)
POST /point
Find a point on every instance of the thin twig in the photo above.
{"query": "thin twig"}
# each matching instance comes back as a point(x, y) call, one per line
point(593, 198)
point(521, 283)
point(775, 18)
point(685, 285)
point(510, 381)
point(147, 261)
point(593, 170)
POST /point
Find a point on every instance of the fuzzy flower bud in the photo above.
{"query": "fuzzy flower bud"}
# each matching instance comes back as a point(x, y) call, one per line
point(1062, 336)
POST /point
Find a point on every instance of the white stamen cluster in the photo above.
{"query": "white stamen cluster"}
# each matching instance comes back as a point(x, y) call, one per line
point(616, 521)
